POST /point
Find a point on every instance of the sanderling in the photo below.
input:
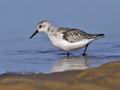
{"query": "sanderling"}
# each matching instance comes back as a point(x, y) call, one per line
point(66, 38)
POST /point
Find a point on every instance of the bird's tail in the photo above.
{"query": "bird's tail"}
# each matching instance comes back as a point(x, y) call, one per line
point(97, 36)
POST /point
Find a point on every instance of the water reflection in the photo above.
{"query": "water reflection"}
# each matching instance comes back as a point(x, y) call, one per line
point(71, 63)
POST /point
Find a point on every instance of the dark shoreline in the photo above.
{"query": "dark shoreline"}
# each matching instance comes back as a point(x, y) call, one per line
point(106, 77)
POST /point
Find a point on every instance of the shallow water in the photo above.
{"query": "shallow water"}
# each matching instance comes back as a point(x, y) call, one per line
point(18, 53)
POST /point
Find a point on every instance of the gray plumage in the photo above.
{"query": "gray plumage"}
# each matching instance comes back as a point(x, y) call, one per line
point(74, 35)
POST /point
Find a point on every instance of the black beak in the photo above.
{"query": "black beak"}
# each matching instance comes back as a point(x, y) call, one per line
point(34, 34)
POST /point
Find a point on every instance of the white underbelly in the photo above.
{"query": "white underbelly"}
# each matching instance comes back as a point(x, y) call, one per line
point(71, 46)
point(67, 46)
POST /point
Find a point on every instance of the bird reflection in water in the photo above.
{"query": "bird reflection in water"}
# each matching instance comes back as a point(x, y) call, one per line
point(71, 63)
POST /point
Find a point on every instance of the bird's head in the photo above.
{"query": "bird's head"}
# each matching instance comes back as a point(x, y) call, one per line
point(42, 26)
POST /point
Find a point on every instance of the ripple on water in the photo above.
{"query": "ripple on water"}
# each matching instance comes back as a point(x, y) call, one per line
point(38, 55)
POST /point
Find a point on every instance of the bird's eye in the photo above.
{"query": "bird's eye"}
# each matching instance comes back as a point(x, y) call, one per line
point(40, 26)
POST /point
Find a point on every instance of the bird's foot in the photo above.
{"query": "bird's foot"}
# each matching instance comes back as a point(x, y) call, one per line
point(68, 54)
point(84, 54)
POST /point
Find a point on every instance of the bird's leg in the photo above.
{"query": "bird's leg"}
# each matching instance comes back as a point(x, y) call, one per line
point(68, 54)
point(84, 53)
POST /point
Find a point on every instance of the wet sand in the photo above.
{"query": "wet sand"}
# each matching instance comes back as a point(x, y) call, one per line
point(106, 77)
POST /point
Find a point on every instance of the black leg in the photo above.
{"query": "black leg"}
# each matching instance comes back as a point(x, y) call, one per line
point(68, 54)
point(84, 53)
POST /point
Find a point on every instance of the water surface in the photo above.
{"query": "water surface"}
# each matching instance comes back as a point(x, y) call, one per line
point(18, 53)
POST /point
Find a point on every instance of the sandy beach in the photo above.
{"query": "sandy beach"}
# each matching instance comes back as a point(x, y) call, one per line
point(106, 77)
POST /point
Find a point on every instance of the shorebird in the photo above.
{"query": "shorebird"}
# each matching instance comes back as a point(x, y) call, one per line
point(66, 39)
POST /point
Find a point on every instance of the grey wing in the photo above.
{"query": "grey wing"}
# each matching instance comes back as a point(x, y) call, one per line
point(75, 35)
point(63, 30)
